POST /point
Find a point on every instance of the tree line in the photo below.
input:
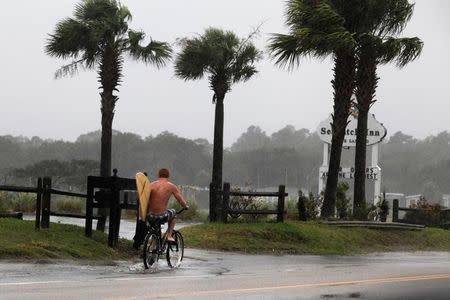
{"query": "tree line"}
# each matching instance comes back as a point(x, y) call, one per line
point(358, 35)
point(256, 159)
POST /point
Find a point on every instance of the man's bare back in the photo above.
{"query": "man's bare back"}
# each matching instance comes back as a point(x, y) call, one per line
point(161, 190)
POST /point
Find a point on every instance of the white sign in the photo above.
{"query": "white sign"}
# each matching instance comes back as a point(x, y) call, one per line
point(375, 131)
point(372, 173)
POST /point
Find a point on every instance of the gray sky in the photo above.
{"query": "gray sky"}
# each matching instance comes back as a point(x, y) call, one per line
point(415, 100)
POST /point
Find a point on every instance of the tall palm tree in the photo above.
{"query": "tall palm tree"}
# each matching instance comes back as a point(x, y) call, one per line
point(225, 59)
point(317, 29)
point(98, 37)
point(375, 47)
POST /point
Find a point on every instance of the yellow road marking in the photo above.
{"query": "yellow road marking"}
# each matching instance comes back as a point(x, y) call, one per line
point(308, 285)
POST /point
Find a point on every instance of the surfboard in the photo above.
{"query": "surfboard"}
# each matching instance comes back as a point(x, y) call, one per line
point(143, 189)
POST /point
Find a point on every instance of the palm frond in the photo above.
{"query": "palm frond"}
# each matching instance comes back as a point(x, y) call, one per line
point(95, 10)
point(192, 62)
point(70, 38)
point(400, 50)
point(156, 53)
point(70, 69)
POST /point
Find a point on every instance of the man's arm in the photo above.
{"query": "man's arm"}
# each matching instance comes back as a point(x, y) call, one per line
point(179, 197)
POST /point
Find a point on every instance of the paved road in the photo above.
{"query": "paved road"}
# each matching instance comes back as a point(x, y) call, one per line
point(217, 275)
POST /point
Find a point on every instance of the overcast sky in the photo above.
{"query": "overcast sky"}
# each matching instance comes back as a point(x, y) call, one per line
point(415, 100)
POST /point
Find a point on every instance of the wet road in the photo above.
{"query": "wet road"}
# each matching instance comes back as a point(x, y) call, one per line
point(209, 274)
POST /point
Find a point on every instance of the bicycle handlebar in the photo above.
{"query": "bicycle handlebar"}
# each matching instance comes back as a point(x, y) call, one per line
point(181, 210)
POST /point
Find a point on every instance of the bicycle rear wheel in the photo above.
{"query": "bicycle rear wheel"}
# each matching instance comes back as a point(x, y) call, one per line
point(150, 254)
point(175, 250)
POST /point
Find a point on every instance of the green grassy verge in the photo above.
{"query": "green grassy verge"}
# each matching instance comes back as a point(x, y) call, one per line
point(19, 239)
point(311, 238)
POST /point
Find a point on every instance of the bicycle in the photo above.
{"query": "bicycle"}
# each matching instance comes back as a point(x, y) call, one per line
point(155, 245)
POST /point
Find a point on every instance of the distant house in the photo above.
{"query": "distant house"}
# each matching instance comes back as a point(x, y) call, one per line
point(445, 201)
point(412, 200)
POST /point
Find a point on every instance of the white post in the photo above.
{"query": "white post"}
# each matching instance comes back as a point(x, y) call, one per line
point(323, 168)
point(377, 182)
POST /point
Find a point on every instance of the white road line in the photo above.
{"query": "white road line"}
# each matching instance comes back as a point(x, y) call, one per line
point(31, 282)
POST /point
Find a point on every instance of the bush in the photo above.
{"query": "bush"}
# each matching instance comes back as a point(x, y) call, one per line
point(342, 201)
point(23, 202)
point(192, 214)
point(71, 205)
point(427, 214)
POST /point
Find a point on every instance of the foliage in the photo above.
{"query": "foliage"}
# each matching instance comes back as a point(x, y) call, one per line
point(72, 174)
point(20, 240)
point(19, 202)
point(311, 238)
point(311, 205)
point(71, 205)
point(409, 165)
point(426, 214)
point(220, 55)
point(192, 214)
point(342, 201)
point(99, 29)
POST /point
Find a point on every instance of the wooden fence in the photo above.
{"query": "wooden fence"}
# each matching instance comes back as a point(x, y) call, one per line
point(102, 192)
point(225, 209)
point(44, 192)
point(444, 214)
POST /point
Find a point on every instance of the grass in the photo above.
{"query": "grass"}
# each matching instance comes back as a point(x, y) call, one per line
point(19, 239)
point(311, 238)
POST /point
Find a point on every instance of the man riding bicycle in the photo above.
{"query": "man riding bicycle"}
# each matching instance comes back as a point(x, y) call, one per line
point(161, 191)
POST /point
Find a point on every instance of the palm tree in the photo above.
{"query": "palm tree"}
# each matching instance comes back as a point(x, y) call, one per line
point(317, 29)
point(225, 59)
point(375, 47)
point(98, 37)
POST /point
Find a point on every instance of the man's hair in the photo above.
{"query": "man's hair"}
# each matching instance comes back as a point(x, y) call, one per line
point(163, 173)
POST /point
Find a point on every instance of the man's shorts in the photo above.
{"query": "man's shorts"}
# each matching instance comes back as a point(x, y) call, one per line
point(161, 218)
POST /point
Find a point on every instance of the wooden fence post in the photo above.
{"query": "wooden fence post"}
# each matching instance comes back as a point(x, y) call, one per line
point(395, 210)
point(225, 201)
point(114, 218)
point(38, 204)
point(89, 208)
point(301, 208)
point(281, 195)
point(46, 199)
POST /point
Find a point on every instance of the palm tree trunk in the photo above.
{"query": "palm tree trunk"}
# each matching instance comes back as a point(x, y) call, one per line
point(343, 84)
point(109, 78)
point(217, 155)
point(359, 202)
point(366, 84)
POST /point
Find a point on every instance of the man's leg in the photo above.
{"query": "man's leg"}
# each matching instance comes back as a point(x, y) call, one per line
point(170, 227)
point(170, 224)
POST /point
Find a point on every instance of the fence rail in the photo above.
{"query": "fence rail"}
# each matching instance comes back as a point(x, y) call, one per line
point(66, 193)
point(227, 210)
point(112, 192)
point(19, 189)
point(396, 209)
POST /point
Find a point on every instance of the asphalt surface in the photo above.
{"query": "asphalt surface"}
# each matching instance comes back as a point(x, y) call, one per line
point(218, 275)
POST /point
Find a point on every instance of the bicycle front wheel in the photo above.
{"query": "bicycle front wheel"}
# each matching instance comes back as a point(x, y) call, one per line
point(175, 250)
point(150, 254)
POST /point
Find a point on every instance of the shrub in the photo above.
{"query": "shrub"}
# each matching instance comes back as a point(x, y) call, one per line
point(192, 214)
point(5, 201)
point(71, 205)
point(342, 201)
point(24, 202)
point(427, 214)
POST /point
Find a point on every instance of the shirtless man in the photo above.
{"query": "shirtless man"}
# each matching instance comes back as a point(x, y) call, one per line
point(161, 190)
